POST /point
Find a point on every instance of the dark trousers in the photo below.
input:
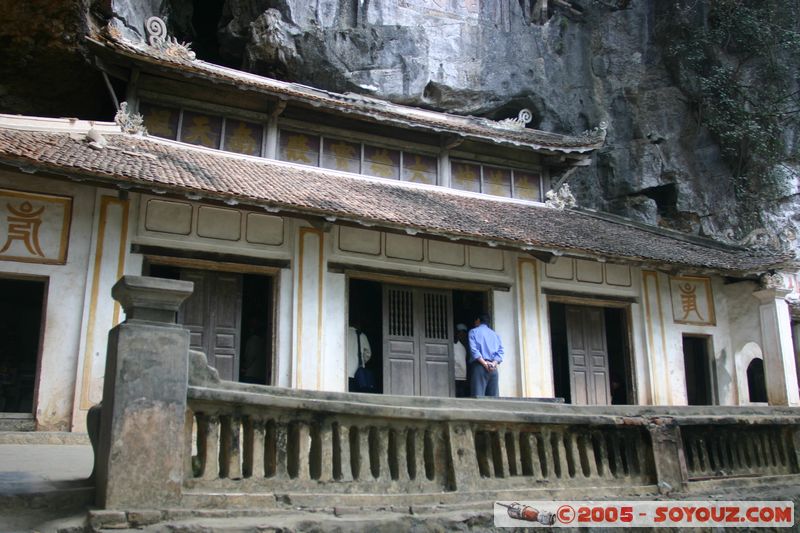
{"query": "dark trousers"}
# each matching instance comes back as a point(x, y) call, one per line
point(483, 382)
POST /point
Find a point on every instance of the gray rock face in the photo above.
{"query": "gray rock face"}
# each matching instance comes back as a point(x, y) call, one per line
point(602, 62)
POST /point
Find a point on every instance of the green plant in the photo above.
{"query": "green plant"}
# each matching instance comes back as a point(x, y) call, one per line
point(734, 59)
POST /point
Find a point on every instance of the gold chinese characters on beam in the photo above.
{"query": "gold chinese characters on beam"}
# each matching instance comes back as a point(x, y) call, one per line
point(692, 300)
point(34, 228)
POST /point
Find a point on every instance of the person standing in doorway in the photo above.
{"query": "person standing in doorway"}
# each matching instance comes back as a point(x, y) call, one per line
point(460, 356)
point(486, 352)
point(359, 352)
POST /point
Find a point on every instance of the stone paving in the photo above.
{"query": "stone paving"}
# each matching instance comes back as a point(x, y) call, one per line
point(41, 483)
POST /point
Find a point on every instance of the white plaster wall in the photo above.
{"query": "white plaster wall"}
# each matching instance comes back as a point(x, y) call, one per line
point(334, 369)
point(64, 305)
point(506, 325)
point(725, 389)
point(283, 328)
point(108, 261)
point(744, 327)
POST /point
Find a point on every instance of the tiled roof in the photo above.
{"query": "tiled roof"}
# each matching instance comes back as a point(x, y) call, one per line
point(157, 164)
point(361, 106)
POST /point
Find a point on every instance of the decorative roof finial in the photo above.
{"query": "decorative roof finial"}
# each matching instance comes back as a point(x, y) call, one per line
point(560, 199)
point(129, 122)
point(156, 30)
point(524, 117)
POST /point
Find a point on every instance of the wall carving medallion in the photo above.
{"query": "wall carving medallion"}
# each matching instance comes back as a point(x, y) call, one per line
point(34, 228)
point(692, 300)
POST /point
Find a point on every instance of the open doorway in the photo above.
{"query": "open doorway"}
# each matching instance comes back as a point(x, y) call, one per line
point(365, 330)
point(411, 336)
point(21, 312)
point(230, 317)
point(591, 354)
point(698, 368)
point(467, 305)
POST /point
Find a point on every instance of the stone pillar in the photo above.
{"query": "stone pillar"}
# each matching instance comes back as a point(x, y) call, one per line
point(140, 456)
point(668, 454)
point(776, 334)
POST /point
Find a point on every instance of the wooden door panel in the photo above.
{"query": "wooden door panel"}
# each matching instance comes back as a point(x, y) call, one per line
point(400, 353)
point(401, 347)
point(212, 314)
point(401, 377)
point(588, 355)
point(438, 377)
point(225, 323)
point(579, 381)
point(438, 372)
point(602, 395)
point(192, 314)
point(580, 388)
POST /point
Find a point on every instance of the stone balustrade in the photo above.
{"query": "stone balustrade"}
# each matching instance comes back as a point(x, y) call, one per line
point(264, 439)
point(232, 444)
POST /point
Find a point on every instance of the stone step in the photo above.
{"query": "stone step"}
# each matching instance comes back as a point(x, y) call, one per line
point(46, 495)
point(43, 437)
point(17, 422)
point(356, 520)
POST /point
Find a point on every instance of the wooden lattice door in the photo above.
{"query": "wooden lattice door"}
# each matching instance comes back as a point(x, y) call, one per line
point(418, 347)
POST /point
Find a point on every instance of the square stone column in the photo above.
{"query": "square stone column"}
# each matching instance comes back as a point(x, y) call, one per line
point(140, 454)
point(776, 333)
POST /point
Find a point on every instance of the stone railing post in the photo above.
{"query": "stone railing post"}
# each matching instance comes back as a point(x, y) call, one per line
point(670, 460)
point(139, 460)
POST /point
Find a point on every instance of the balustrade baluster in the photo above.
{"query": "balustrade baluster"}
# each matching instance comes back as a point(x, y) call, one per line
point(303, 451)
point(515, 457)
point(257, 457)
point(230, 451)
point(208, 446)
point(499, 456)
point(574, 454)
point(364, 470)
point(344, 452)
point(604, 468)
point(326, 455)
point(281, 450)
point(702, 449)
point(590, 454)
point(401, 443)
point(419, 453)
point(617, 455)
point(561, 451)
point(382, 453)
point(628, 441)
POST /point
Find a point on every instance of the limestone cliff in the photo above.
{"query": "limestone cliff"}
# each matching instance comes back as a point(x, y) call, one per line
point(574, 64)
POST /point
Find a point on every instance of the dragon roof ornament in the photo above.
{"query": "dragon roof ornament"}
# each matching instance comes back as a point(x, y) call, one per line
point(519, 123)
point(157, 38)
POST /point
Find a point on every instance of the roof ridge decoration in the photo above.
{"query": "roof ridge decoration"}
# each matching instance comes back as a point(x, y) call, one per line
point(128, 122)
point(157, 38)
point(522, 120)
point(561, 199)
point(598, 132)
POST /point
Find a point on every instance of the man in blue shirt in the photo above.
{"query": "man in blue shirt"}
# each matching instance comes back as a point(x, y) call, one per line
point(486, 354)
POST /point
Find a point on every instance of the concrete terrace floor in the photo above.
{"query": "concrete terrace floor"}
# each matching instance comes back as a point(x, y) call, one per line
point(43, 478)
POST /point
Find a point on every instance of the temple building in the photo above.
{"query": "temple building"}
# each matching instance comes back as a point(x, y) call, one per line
point(298, 212)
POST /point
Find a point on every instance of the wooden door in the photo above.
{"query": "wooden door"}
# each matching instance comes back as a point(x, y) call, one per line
point(400, 353)
point(437, 376)
point(418, 346)
point(212, 314)
point(588, 356)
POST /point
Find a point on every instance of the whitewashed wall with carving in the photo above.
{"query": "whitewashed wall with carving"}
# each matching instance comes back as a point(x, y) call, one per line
point(65, 293)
